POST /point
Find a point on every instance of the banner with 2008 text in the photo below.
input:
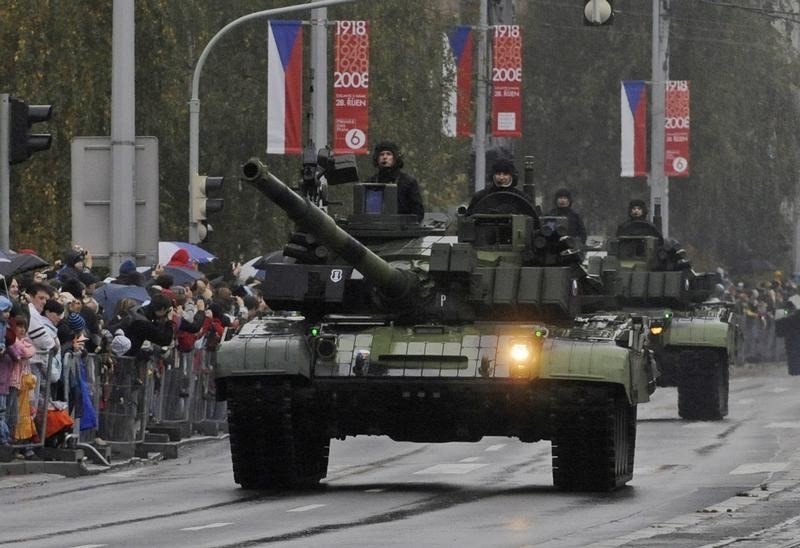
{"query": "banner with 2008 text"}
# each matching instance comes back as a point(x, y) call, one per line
point(507, 81)
point(676, 129)
point(351, 88)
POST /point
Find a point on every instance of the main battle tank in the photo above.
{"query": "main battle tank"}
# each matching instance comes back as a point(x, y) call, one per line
point(382, 325)
point(699, 338)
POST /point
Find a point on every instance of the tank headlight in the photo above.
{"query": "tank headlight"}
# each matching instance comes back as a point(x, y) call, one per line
point(520, 352)
point(656, 329)
point(326, 347)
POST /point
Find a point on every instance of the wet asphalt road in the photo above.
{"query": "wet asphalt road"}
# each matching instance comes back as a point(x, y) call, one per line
point(726, 483)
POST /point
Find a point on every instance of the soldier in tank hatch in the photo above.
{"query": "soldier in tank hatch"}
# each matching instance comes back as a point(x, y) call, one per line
point(637, 223)
point(388, 159)
point(563, 208)
point(504, 178)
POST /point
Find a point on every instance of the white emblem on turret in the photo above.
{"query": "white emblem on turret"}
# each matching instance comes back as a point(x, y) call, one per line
point(336, 275)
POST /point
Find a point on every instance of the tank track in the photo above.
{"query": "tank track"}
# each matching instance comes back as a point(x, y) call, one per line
point(593, 443)
point(275, 442)
point(703, 378)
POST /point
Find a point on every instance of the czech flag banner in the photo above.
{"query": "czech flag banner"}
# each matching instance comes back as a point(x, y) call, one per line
point(284, 87)
point(676, 129)
point(351, 88)
point(457, 79)
point(633, 111)
point(507, 81)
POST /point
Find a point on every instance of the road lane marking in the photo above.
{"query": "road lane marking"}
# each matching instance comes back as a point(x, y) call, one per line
point(497, 447)
point(644, 470)
point(758, 467)
point(125, 474)
point(209, 526)
point(793, 424)
point(469, 459)
point(780, 389)
point(374, 490)
point(461, 468)
point(306, 508)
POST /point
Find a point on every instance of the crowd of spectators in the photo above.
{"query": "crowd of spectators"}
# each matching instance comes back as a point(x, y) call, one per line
point(758, 305)
point(48, 314)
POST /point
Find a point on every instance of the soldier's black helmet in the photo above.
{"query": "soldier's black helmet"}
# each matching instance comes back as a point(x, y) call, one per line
point(505, 165)
point(565, 193)
point(391, 147)
point(640, 203)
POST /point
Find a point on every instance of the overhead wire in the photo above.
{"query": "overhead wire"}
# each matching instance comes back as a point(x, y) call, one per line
point(714, 31)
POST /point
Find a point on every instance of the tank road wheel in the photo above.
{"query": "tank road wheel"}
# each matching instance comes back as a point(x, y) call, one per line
point(703, 385)
point(273, 442)
point(594, 445)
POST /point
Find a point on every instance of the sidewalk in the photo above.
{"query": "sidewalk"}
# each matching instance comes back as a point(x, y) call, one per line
point(76, 462)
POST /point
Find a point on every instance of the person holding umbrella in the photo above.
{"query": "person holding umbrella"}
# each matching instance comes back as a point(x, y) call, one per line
point(128, 275)
point(152, 322)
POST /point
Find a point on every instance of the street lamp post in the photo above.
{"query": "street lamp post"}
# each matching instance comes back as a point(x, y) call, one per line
point(194, 102)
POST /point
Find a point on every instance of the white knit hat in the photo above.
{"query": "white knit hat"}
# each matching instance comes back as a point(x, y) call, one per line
point(120, 344)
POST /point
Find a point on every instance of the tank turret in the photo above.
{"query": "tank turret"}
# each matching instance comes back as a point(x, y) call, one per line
point(503, 262)
point(394, 283)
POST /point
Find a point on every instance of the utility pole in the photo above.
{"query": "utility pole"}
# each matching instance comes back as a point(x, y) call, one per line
point(796, 265)
point(480, 110)
point(123, 136)
point(5, 171)
point(319, 78)
point(194, 102)
point(656, 180)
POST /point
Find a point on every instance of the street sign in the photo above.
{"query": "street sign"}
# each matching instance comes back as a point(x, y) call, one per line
point(91, 197)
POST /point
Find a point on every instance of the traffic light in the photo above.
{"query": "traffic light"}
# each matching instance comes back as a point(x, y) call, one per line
point(598, 12)
point(202, 205)
point(21, 117)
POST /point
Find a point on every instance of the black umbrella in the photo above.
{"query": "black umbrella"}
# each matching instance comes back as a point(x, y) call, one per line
point(20, 262)
point(109, 295)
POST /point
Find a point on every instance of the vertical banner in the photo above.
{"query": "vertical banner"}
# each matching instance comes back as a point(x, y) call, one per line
point(284, 87)
point(457, 80)
point(351, 87)
point(507, 81)
point(676, 129)
point(633, 134)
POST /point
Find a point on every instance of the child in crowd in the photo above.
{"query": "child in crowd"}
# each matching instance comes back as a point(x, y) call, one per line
point(22, 351)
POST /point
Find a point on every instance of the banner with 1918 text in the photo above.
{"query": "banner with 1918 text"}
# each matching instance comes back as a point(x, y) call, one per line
point(676, 129)
point(351, 87)
point(507, 81)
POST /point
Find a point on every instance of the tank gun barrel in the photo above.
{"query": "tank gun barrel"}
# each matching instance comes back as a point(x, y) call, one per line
point(393, 283)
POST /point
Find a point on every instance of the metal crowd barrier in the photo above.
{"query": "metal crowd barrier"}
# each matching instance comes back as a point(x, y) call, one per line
point(759, 341)
point(176, 387)
point(127, 395)
point(186, 396)
point(209, 415)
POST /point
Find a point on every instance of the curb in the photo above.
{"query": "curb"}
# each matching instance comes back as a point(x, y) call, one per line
point(83, 467)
